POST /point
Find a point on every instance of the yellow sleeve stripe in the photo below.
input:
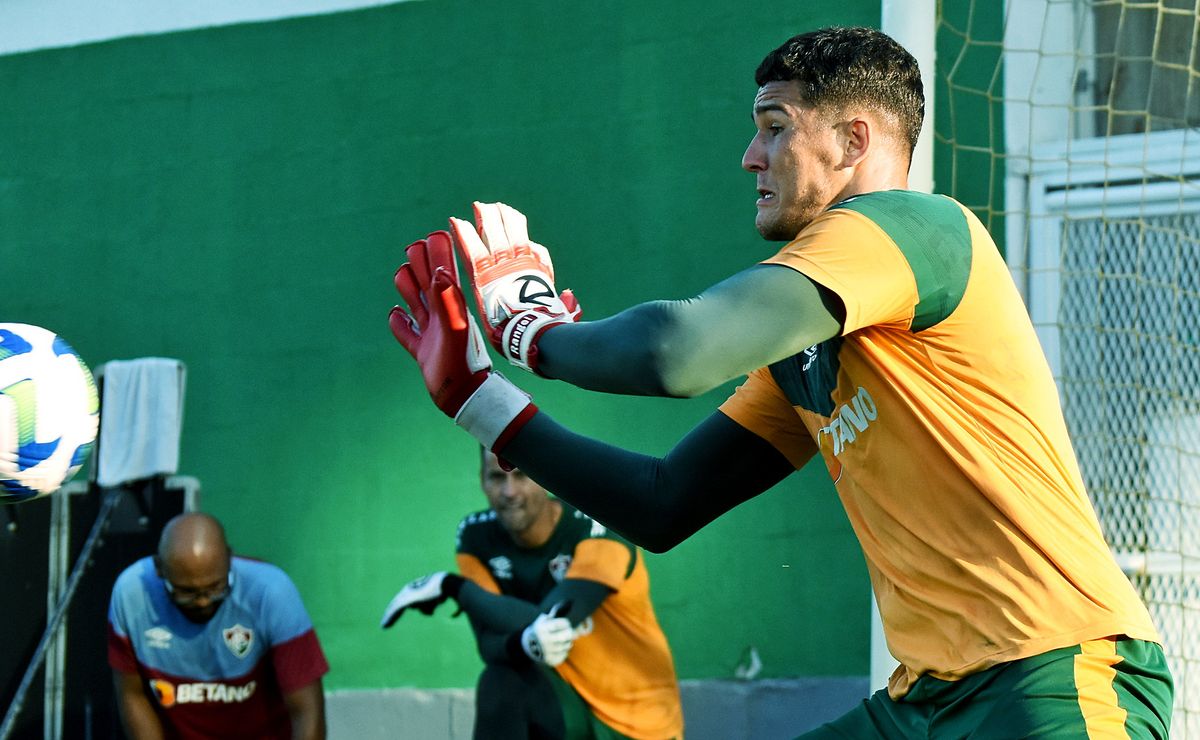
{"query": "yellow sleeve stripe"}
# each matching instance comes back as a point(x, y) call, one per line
point(601, 560)
point(473, 570)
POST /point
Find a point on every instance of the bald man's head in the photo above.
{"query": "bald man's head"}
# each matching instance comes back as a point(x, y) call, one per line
point(192, 537)
point(193, 559)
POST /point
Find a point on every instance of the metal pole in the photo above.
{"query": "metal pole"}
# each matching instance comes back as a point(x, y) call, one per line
point(912, 23)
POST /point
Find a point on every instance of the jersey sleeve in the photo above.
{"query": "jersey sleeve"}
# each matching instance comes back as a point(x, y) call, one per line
point(603, 560)
point(299, 661)
point(121, 656)
point(600, 555)
point(760, 406)
point(283, 611)
point(872, 278)
point(295, 651)
point(473, 570)
point(895, 258)
point(470, 549)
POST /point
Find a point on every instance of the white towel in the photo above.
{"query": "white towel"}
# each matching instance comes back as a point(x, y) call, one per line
point(141, 417)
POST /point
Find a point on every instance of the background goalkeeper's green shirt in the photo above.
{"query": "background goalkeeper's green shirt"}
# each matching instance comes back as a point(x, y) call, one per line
point(939, 420)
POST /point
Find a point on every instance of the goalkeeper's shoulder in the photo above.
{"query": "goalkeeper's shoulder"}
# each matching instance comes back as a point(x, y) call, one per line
point(582, 527)
point(475, 530)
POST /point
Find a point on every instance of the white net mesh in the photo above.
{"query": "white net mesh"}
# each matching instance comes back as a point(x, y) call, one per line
point(1069, 126)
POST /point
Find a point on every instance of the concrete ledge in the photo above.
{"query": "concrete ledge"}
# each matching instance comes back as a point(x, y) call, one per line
point(766, 710)
point(398, 714)
point(713, 709)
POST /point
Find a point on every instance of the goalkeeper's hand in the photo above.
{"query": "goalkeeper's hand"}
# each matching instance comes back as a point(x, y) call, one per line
point(548, 639)
point(514, 281)
point(424, 594)
point(440, 334)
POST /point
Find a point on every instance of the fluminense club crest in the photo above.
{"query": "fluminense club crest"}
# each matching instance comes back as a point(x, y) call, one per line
point(558, 566)
point(238, 639)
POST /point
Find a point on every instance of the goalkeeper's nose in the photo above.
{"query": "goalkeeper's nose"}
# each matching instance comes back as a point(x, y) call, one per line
point(508, 493)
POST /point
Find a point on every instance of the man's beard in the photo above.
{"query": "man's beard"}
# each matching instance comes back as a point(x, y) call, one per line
point(514, 519)
point(200, 617)
point(787, 226)
point(785, 229)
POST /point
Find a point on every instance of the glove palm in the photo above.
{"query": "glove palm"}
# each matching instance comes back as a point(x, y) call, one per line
point(437, 330)
point(424, 594)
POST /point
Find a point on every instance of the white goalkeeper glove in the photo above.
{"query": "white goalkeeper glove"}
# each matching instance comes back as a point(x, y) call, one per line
point(513, 279)
point(548, 638)
point(424, 594)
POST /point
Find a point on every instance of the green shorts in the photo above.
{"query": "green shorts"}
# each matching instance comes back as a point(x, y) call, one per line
point(1100, 689)
point(581, 724)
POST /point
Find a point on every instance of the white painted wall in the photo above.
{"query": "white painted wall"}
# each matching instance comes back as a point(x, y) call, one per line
point(27, 25)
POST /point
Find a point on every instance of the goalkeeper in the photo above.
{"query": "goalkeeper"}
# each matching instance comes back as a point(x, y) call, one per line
point(562, 616)
point(886, 336)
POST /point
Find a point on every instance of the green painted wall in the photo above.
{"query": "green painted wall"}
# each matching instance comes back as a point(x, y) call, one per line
point(239, 197)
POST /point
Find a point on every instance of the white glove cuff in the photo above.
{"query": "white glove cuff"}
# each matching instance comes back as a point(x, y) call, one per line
point(491, 409)
point(520, 334)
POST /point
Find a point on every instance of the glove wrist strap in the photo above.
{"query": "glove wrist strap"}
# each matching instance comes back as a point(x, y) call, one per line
point(519, 339)
point(531, 646)
point(495, 412)
point(452, 583)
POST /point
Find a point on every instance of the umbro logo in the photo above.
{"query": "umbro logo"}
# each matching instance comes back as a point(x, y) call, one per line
point(810, 356)
point(501, 567)
point(158, 637)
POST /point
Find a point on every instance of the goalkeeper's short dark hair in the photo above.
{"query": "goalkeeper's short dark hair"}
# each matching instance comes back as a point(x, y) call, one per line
point(837, 67)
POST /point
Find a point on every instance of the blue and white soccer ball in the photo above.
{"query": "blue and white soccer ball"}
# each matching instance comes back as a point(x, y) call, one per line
point(49, 412)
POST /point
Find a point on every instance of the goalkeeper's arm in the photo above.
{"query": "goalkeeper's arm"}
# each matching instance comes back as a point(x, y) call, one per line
point(498, 621)
point(685, 348)
point(654, 502)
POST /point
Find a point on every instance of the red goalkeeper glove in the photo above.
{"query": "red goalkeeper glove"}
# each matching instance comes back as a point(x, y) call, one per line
point(514, 281)
point(440, 334)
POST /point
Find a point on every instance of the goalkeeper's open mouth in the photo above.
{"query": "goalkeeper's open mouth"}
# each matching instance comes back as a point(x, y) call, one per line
point(765, 197)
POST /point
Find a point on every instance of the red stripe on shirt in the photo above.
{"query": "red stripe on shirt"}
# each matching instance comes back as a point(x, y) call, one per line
point(298, 662)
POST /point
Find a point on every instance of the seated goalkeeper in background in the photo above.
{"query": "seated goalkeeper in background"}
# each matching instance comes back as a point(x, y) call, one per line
point(561, 611)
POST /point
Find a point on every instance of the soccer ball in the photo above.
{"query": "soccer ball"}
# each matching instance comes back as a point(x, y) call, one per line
point(49, 412)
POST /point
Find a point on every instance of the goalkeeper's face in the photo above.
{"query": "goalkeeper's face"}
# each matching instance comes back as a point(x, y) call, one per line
point(519, 503)
point(794, 156)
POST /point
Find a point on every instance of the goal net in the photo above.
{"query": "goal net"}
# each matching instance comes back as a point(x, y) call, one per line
point(1070, 128)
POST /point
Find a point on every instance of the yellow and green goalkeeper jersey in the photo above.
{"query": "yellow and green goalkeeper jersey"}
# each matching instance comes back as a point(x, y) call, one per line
point(939, 420)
